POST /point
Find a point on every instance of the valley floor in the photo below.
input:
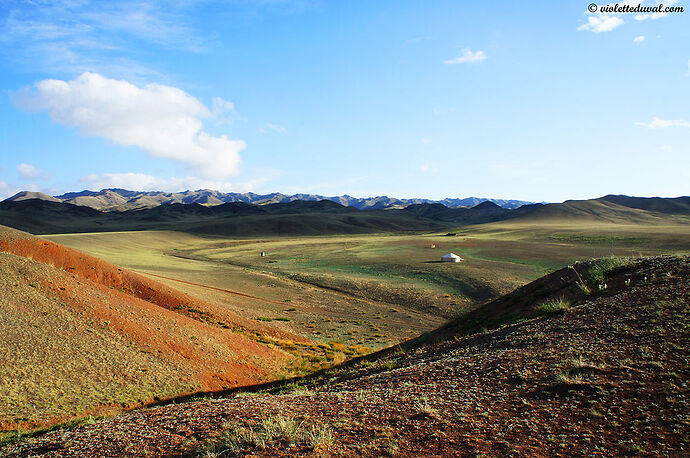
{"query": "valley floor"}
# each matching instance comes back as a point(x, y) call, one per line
point(371, 290)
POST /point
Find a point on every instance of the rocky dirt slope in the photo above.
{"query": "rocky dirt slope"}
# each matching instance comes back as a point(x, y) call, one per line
point(606, 376)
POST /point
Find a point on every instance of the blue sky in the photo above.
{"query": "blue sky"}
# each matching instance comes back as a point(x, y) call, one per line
point(538, 101)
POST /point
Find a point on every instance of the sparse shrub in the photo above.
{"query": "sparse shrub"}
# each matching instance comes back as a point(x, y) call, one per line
point(568, 379)
point(320, 437)
point(365, 363)
point(584, 288)
point(233, 440)
point(294, 387)
point(581, 283)
point(280, 428)
point(390, 364)
point(595, 413)
point(391, 447)
point(580, 366)
point(272, 431)
point(598, 272)
point(425, 408)
point(551, 306)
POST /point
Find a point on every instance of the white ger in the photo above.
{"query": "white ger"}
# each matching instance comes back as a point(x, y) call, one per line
point(451, 257)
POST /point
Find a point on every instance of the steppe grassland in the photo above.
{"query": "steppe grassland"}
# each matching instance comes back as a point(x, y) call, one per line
point(57, 362)
point(371, 290)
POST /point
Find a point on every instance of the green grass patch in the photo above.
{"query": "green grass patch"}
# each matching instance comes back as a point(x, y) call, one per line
point(602, 268)
point(551, 306)
point(597, 238)
point(274, 431)
point(14, 436)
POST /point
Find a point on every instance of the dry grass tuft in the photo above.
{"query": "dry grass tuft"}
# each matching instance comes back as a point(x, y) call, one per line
point(551, 306)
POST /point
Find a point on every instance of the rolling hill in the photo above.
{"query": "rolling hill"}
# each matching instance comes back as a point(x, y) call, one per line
point(236, 218)
point(678, 205)
point(619, 209)
point(82, 336)
point(604, 372)
point(306, 217)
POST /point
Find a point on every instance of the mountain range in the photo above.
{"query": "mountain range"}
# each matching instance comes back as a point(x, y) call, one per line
point(115, 199)
point(40, 215)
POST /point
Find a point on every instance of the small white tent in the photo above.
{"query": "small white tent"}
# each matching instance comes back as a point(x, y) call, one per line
point(451, 257)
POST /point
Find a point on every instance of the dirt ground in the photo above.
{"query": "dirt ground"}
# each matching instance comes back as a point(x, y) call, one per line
point(606, 376)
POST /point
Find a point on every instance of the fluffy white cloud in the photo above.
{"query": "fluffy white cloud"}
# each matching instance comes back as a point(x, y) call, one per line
point(601, 23)
point(467, 57)
point(28, 171)
point(164, 121)
point(639, 39)
point(144, 182)
point(658, 123)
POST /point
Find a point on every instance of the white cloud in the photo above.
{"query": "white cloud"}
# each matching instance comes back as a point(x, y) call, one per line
point(10, 189)
point(223, 110)
point(76, 36)
point(274, 128)
point(28, 171)
point(164, 121)
point(220, 105)
point(5, 190)
point(639, 39)
point(601, 23)
point(145, 182)
point(658, 123)
point(426, 168)
point(466, 56)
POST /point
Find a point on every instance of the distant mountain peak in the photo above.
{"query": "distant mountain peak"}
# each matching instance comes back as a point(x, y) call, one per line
point(25, 195)
point(118, 199)
point(485, 205)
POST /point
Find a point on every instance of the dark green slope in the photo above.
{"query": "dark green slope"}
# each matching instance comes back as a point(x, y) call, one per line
point(236, 218)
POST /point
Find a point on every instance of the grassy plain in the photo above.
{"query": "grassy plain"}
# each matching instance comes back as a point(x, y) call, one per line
point(377, 289)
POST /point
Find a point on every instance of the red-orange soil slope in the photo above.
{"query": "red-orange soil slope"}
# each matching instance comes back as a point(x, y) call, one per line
point(80, 335)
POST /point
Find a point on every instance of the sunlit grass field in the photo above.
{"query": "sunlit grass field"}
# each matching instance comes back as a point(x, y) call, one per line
point(372, 290)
